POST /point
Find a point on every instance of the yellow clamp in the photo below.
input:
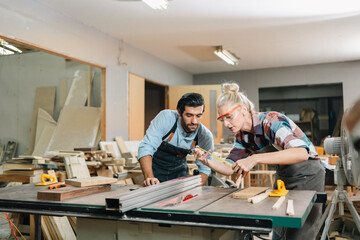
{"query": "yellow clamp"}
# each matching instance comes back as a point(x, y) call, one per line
point(281, 191)
point(45, 180)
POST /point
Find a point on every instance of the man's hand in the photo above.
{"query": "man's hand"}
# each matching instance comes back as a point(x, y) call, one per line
point(151, 181)
point(201, 156)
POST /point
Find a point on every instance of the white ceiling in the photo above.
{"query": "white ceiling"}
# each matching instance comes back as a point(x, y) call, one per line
point(263, 33)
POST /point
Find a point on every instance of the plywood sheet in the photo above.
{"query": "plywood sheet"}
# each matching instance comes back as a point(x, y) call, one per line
point(78, 92)
point(43, 141)
point(45, 99)
point(91, 181)
point(63, 92)
point(77, 127)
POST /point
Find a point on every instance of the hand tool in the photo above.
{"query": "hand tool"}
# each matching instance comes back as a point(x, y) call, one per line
point(58, 185)
point(242, 175)
point(45, 177)
point(281, 191)
point(215, 156)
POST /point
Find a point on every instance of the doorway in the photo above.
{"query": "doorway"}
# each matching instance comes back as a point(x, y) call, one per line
point(155, 100)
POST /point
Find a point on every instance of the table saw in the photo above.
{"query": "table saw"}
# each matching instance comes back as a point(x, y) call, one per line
point(211, 209)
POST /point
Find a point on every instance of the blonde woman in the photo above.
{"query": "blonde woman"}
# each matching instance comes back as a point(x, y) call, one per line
point(258, 137)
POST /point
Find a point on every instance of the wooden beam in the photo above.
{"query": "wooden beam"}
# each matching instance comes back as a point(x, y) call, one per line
point(259, 197)
point(290, 208)
point(92, 181)
point(278, 203)
point(70, 192)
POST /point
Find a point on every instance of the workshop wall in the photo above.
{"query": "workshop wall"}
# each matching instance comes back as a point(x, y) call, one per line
point(347, 73)
point(35, 23)
point(20, 75)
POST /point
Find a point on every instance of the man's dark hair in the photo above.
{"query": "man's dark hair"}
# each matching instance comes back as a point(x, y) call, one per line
point(190, 100)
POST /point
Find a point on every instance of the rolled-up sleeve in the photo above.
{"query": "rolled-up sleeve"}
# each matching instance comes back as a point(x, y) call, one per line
point(159, 126)
point(238, 152)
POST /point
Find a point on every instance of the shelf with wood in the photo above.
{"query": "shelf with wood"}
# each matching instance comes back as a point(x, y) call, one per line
point(307, 128)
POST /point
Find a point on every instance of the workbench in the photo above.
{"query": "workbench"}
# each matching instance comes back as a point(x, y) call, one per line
point(212, 210)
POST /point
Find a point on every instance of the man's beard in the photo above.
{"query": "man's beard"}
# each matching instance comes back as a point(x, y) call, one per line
point(186, 128)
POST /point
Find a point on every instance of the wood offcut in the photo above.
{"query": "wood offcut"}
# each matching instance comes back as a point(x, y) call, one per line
point(63, 193)
point(249, 192)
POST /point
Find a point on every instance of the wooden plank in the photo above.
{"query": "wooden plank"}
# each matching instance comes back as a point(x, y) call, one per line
point(62, 228)
point(45, 230)
point(123, 148)
point(49, 227)
point(70, 192)
point(249, 192)
point(76, 167)
point(32, 227)
point(290, 208)
point(278, 203)
point(92, 181)
point(45, 99)
point(19, 166)
point(19, 178)
point(72, 221)
point(77, 127)
point(260, 197)
point(24, 172)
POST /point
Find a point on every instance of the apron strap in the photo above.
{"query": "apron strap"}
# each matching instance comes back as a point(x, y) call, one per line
point(172, 131)
point(194, 142)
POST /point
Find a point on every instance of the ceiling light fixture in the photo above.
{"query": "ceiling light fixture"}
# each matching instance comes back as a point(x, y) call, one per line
point(157, 4)
point(226, 55)
point(9, 47)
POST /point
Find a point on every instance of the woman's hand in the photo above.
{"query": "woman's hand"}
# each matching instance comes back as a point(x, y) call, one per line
point(242, 166)
point(201, 156)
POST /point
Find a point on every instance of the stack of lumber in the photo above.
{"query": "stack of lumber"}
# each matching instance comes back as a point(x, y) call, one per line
point(58, 227)
point(130, 157)
point(143, 196)
point(26, 169)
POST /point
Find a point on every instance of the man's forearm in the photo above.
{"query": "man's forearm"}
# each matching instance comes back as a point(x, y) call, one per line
point(146, 166)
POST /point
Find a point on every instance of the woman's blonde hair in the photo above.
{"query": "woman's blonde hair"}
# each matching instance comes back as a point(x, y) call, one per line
point(230, 94)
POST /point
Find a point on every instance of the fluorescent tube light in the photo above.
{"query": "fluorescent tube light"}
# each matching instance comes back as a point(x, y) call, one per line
point(4, 51)
point(157, 4)
point(10, 48)
point(226, 55)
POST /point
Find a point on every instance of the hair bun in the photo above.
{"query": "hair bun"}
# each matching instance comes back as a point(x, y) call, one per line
point(230, 88)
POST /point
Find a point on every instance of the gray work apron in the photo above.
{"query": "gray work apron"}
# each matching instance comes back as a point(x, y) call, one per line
point(169, 161)
point(308, 175)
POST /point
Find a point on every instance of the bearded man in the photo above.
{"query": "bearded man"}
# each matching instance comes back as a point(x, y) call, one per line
point(172, 135)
